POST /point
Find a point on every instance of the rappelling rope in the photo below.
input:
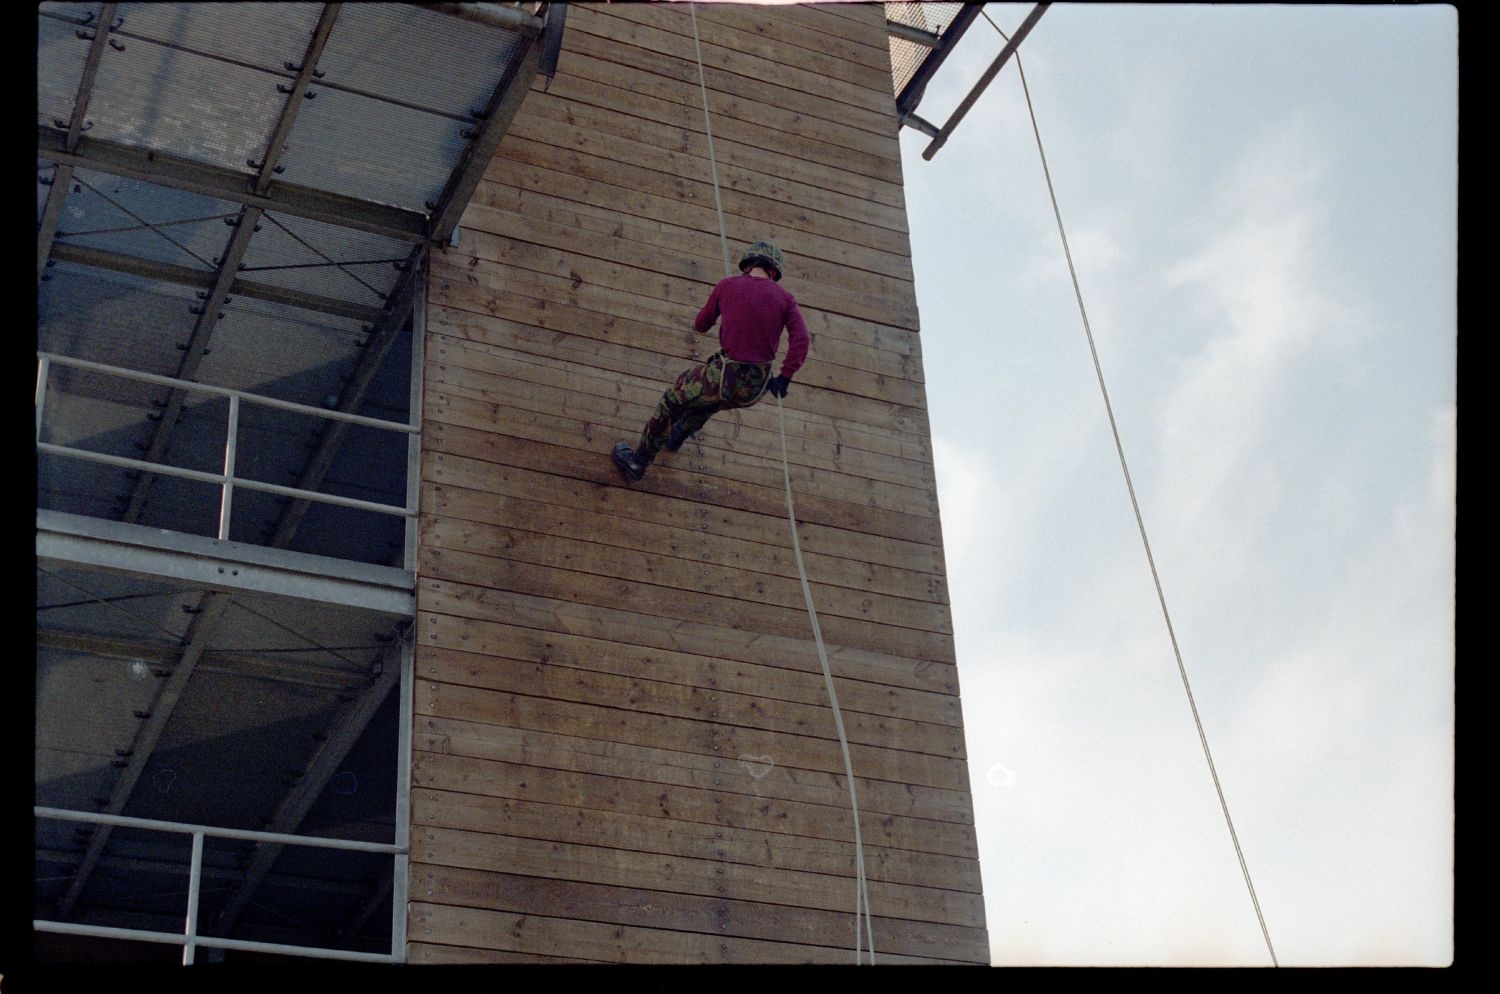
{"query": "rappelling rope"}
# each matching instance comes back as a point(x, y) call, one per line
point(713, 163)
point(861, 886)
point(1139, 520)
point(862, 892)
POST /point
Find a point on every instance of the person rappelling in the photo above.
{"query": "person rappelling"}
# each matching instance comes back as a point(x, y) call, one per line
point(753, 309)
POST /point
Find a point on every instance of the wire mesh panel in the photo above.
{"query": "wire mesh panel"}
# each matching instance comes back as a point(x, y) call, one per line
point(907, 56)
point(144, 220)
point(214, 231)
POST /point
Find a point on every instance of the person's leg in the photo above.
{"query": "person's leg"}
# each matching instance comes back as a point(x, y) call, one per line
point(694, 396)
point(692, 420)
point(739, 385)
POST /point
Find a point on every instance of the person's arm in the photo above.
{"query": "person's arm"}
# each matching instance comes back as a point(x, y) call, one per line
point(798, 341)
point(710, 313)
point(796, 351)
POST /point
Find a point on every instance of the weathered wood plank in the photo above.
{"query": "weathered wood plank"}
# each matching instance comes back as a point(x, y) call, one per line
point(682, 281)
point(820, 281)
point(755, 462)
point(435, 954)
point(744, 30)
point(546, 516)
point(867, 297)
point(840, 410)
point(684, 913)
point(461, 409)
point(544, 385)
point(595, 465)
point(752, 212)
point(537, 934)
point(739, 446)
point(623, 750)
point(860, 295)
point(666, 569)
point(869, 107)
point(671, 602)
point(552, 302)
point(836, 410)
point(608, 86)
point(704, 877)
point(629, 626)
point(749, 178)
point(589, 681)
point(681, 228)
point(756, 776)
point(765, 172)
point(731, 98)
point(521, 325)
point(800, 26)
point(450, 475)
point(687, 806)
point(707, 738)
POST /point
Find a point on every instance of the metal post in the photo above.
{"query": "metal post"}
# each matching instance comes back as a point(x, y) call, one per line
point(414, 419)
point(195, 880)
point(907, 32)
point(399, 878)
point(43, 367)
point(231, 447)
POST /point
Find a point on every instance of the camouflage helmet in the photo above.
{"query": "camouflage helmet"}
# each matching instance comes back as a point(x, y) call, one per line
point(767, 253)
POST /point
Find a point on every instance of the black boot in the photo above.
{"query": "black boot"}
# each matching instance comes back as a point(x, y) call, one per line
point(632, 466)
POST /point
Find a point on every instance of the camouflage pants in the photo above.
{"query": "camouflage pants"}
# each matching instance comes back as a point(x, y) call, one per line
point(701, 392)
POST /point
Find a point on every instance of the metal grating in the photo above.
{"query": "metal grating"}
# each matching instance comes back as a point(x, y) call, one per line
point(118, 214)
point(907, 56)
point(211, 211)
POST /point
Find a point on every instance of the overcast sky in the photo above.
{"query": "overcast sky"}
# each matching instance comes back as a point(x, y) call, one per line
point(1261, 202)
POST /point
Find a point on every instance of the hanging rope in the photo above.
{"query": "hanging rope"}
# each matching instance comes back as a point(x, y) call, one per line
point(1135, 505)
point(713, 163)
point(862, 892)
point(861, 886)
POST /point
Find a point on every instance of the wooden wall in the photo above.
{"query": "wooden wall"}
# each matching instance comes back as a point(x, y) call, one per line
point(624, 750)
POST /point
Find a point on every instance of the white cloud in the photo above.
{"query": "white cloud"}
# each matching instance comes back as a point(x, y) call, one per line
point(1290, 434)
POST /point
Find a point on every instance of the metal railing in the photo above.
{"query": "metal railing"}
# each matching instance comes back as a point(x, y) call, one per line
point(227, 480)
point(189, 938)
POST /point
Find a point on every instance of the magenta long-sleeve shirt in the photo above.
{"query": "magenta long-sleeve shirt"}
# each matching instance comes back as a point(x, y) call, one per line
point(754, 310)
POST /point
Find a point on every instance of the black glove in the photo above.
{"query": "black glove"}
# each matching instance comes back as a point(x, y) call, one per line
point(777, 386)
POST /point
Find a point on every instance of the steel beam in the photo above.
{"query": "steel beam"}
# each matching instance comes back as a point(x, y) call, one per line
point(177, 939)
point(132, 865)
point(234, 186)
point(927, 39)
point(552, 38)
point(305, 73)
point(211, 607)
point(161, 655)
point(343, 733)
point(194, 350)
point(384, 888)
point(401, 865)
point(498, 114)
point(962, 109)
point(197, 561)
point(62, 176)
point(911, 93)
point(491, 15)
point(46, 232)
point(382, 335)
point(229, 263)
point(166, 272)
